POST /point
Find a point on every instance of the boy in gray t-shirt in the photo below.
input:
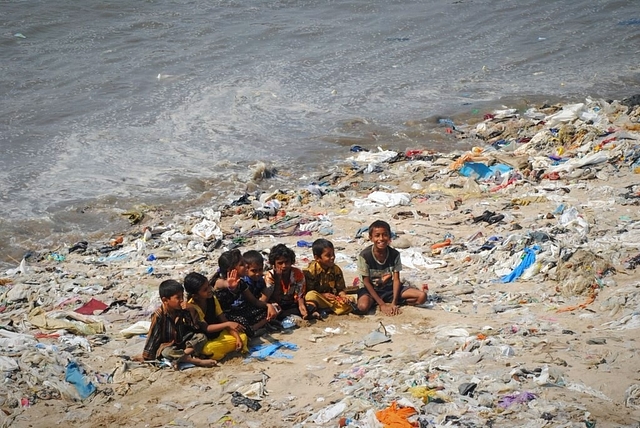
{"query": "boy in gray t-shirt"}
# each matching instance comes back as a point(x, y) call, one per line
point(379, 267)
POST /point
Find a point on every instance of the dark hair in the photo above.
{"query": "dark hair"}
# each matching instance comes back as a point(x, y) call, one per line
point(319, 245)
point(281, 251)
point(253, 257)
point(226, 262)
point(169, 288)
point(379, 224)
point(193, 282)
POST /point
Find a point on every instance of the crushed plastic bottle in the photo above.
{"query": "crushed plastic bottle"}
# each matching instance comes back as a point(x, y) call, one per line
point(291, 321)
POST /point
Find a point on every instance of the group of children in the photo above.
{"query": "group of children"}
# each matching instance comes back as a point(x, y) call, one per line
point(241, 300)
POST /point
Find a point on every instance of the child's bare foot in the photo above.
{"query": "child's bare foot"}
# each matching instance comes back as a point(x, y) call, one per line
point(204, 363)
point(190, 359)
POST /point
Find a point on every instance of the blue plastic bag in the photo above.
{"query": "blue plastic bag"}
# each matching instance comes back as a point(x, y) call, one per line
point(76, 378)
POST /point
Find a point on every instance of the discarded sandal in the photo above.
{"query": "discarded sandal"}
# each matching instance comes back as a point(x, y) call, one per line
point(238, 399)
point(485, 216)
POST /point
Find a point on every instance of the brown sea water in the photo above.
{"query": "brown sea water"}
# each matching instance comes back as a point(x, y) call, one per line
point(109, 105)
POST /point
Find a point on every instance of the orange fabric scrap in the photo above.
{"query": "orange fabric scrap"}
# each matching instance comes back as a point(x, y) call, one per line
point(467, 157)
point(393, 417)
point(441, 244)
point(589, 301)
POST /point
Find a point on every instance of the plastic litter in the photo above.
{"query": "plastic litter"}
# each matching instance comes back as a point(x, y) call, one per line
point(8, 364)
point(262, 352)
point(207, 230)
point(75, 377)
point(327, 414)
point(291, 321)
point(390, 199)
point(517, 398)
point(374, 157)
point(568, 189)
point(482, 171)
point(140, 327)
point(529, 257)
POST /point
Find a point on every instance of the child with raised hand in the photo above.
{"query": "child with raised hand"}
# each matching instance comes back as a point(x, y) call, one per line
point(286, 285)
point(379, 267)
point(223, 336)
point(174, 333)
point(325, 281)
point(255, 280)
point(236, 299)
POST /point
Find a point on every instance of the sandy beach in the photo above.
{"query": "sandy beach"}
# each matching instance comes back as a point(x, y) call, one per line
point(555, 345)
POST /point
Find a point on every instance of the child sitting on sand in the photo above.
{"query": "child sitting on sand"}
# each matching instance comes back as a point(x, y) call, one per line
point(174, 333)
point(286, 285)
point(236, 299)
point(379, 267)
point(223, 336)
point(255, 280)
point(325, 281)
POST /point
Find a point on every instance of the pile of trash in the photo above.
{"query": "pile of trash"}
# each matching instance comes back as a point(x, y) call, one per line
point(547, 197)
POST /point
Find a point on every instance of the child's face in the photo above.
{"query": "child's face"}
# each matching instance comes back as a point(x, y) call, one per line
point(241, 268)
point(205, 292)
point(380, 238)
point(327, 258)
point(255, 271)
point(282, 265)
point(174, 302)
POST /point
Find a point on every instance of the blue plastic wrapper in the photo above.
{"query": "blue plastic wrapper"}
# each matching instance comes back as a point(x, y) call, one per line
point(75, 377)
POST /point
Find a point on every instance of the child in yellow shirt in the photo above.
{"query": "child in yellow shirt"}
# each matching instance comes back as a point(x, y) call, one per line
point(223, 335)
point(325, 281)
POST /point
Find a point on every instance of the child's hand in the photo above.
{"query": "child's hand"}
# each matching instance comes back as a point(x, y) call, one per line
point(342, 299)
point(272, 311)
point(330, 296)
point(238, 344)
point(236, 326)
point(233, 279)
point(390, 309)
point(303, 311)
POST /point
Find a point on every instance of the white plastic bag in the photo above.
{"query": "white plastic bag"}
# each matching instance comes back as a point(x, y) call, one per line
point(207, 230)
point(390, 199)
point(329, 413)
point(141, 327)
point(567, 114)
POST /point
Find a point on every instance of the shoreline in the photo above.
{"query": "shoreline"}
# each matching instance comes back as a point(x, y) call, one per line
point(100, 217)
point(563, 330)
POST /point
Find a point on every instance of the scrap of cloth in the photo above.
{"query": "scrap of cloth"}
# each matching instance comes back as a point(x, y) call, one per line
point(517, 398)
point(91, 306)
point(394, 417)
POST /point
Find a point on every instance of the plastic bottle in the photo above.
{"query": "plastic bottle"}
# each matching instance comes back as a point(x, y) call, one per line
point(290, 321)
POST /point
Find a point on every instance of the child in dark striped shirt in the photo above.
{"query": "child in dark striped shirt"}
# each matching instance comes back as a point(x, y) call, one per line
point(174, 333)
